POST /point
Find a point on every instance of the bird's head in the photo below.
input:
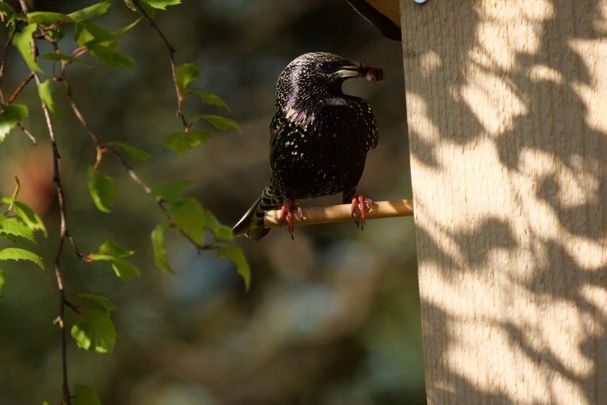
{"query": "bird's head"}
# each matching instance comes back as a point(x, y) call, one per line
point(315, 75)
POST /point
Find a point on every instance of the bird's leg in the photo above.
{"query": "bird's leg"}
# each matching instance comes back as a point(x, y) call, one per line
point(360, 207)
point(286, 215)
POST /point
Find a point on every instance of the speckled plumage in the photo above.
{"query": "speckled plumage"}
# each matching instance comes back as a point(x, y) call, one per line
point(319, 136)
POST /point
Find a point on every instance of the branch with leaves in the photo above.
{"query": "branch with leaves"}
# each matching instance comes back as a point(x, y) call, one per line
point(94, 329)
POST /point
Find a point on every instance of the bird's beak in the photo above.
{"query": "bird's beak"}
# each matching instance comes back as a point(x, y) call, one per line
point(370, 73)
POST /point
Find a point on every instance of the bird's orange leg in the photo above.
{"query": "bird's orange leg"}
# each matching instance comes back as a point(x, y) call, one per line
point(360, 207)
point(286, 215)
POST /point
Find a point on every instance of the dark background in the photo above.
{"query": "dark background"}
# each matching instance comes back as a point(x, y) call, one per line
point(331, 318)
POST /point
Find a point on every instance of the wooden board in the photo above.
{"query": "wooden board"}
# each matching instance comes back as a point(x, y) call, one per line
point(507, 120)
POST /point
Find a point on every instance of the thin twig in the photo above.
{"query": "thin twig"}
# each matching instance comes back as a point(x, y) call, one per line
point(63, 233)
point(27, 133)
point(20, 88)
point(341, 213)
point(3, 62)
point(180, 99)
point(103, 148)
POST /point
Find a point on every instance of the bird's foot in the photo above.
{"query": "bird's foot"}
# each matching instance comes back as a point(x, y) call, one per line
point(360, 208)
point(287, 215)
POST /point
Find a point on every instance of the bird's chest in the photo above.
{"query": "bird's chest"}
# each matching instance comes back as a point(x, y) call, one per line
point(310, 161)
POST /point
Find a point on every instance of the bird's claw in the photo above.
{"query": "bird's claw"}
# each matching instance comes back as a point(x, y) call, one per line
point(360, 208)
point(286, 215)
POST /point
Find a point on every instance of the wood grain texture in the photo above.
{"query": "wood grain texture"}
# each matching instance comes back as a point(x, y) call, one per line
point(507, 119)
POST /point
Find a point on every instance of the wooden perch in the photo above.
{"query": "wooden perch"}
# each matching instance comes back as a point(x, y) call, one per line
point(342, 213)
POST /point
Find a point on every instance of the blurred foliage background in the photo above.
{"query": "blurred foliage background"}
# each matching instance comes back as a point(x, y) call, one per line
point(331, 318)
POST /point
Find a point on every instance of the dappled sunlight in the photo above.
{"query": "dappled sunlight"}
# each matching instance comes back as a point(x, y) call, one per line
point(510, 222)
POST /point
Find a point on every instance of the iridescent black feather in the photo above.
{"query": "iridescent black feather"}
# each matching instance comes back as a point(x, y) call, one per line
point(319, 136)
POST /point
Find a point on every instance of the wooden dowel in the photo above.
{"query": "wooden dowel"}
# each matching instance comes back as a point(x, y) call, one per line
point(342, 213)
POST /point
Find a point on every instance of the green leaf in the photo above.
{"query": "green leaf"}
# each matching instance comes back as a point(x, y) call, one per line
point(23, 42)
point(127, 28)
point(84, 395)
point(221, 232)
point(124, 269)
point(181, 142)
point(210, 98)
point(115, 255)
point(88, 34)
point(47, 17)
point(190, 218)
point(101, 300)
point(26, 215)
point(21, 254)
point(10, 116)
point(14, 227)
point(236, 255)
point(111, 248)
point(46, 94)
point(111, 57)
point(131, 151)
point(102, 189)
point(161, 4)
point(171, 190)
point(160, 254)
point(90, 12)
point(219, 122)
point(2, 279)
point(95, 332)
point(185, 74)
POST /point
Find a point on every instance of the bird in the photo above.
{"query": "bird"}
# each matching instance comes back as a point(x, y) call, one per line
point(319, 139)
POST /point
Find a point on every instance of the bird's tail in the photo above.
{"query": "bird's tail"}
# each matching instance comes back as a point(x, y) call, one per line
point(251, 224)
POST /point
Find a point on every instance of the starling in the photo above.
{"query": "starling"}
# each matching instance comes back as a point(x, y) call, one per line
point(319, 138)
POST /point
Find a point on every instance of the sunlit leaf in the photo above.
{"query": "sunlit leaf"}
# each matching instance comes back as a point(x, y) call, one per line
point(161, 4)
point(26, 215)
point(111, 248)
point(10, 115)
point(181, 142)
point(171, 190)
point(46, 17)
point(190, 218)
point(210, 98)
point(115, 255)
point(160, 254)
point(221, 232)
point(127, 28)
point(90, 12)
point(88, 34)
point(101, 300)
point(84, 395)
point(12, 253)
point(95, 332)
point(185, 74)
point(102, 189)
point(46, 94)
point(219, 122)
point(23, 42)
point(236, 255)
point(131, 151)
point(14, 227)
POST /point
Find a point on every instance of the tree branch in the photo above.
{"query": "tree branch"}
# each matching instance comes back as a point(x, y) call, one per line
point(180, 99)
point(342, 213)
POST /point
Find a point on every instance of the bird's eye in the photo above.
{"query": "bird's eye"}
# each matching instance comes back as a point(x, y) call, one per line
point(324, 66)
